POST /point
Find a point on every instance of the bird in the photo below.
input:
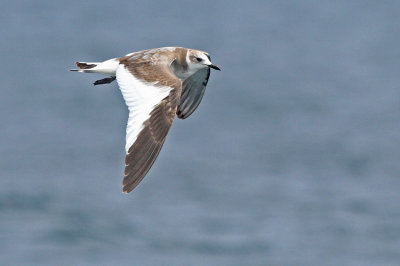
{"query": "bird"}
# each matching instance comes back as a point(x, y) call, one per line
point(157, 85)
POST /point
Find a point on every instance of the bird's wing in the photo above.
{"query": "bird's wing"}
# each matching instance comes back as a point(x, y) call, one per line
point(151, 92)
point(193, 89)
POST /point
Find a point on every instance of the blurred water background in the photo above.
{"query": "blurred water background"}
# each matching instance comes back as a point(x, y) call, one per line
point(292, 158)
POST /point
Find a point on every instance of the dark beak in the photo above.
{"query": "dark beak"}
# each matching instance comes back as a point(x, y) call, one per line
point(214, 67)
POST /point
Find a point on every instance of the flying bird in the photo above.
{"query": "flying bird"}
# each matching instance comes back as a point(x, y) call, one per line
point(156, 84)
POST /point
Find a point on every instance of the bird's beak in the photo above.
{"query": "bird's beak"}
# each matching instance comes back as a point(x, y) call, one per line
point(214, 67)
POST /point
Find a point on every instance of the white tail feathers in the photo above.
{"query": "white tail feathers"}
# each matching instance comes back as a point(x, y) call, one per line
point(108, 67)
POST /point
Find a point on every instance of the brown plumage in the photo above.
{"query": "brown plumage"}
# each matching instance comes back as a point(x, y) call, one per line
point(84, 65)
point(144, 151)
point(157, 84)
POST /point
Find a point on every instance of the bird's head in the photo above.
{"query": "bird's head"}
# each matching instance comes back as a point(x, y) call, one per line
point(199, 59)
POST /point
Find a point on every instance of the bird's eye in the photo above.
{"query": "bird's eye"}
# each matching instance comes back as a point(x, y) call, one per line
point(199, 59)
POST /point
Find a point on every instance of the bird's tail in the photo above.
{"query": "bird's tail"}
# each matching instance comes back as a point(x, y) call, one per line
point(108, 67)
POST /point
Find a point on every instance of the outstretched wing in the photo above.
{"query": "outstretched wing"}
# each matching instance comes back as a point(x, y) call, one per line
point(151, 92)
point(193, 89)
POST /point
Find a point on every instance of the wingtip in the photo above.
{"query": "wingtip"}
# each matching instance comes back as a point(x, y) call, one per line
point(181, 116)
point(126, 189)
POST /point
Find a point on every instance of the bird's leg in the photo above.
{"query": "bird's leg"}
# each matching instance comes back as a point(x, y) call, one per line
point(104, 81)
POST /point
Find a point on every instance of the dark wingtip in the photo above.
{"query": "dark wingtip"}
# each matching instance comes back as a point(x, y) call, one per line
point(180, 115)
point(125, 191)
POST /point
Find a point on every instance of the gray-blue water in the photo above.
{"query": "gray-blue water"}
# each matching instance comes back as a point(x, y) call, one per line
point(292, 158)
